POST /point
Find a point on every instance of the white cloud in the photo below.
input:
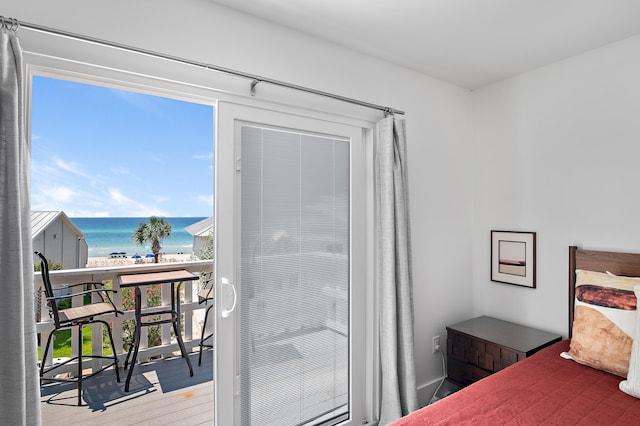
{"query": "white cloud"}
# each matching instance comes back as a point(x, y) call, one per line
point(206, 199)
point(120, 171)
point(43, 170)
point(69, 167)
point(91, 213)
point(207, 156)
point(62, 194)
point(52, 198)
point(155, 158)
point(145, 103)
point(130, 207)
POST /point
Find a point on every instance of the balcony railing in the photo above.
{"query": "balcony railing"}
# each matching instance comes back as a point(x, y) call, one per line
point(190, 309)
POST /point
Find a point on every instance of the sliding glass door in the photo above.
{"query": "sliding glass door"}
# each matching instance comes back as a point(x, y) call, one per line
point(290, 326)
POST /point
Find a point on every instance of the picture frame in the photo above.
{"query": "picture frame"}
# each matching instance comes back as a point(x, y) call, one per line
point(513, 258)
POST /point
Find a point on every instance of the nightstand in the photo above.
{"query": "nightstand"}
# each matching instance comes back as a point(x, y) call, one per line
point(481, 346)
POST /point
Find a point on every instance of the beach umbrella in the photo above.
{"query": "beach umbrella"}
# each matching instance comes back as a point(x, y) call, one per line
point(136, 256)
point(149, 255)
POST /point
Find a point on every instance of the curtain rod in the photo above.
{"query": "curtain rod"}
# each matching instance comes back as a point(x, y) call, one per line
point(255, 79)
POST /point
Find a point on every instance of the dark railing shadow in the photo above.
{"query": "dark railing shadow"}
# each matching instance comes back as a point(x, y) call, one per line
point(98, 392)
point(102, 391)
point(177, 377)
point(102, 395)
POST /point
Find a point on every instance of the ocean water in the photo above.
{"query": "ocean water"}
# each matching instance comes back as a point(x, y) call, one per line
point(106, 235)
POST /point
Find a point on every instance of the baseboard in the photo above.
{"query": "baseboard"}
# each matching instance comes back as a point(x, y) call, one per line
point(426, 391)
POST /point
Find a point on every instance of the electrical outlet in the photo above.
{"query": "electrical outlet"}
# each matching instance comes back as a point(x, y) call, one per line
point(435, 348)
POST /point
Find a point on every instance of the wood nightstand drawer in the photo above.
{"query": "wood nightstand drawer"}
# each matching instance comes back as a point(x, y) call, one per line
point(464, 373)
point(485, 345)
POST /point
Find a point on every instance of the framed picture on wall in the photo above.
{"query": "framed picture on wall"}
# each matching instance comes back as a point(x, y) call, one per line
point(513, 258)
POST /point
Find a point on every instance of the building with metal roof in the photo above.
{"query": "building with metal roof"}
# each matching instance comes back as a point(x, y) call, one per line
point(59, 239)
point(202, 233)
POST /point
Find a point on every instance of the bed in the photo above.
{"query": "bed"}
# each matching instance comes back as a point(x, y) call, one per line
point(548, 388)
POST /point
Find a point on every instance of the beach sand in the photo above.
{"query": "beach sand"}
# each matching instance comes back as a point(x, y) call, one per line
point(99, 262)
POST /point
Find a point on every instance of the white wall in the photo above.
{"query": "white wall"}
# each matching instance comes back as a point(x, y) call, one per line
point(557, 153)
point(439, 119)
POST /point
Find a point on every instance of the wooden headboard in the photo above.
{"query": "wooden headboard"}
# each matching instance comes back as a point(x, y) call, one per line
point(626, 264)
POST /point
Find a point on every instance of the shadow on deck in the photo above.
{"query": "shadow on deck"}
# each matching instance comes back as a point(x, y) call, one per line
point(161, 393)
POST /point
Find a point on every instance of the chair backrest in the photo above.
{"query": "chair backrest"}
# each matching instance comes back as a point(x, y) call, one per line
point(206, 292)
point(48, 288)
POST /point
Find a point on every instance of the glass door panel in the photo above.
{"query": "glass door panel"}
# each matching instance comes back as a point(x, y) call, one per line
point(294, 252)
point(289, 251)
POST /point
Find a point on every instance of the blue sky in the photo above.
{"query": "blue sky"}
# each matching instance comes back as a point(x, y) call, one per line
point(102, 152)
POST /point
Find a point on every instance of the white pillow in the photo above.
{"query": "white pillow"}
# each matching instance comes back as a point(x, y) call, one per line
point(631, 386)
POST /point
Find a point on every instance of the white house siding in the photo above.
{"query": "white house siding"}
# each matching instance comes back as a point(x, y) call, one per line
point(58, 239)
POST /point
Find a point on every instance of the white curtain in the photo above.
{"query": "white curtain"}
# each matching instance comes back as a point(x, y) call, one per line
point(19, 381)
point(398, 389)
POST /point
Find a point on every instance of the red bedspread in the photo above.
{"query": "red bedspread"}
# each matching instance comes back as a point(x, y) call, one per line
point(543, 389)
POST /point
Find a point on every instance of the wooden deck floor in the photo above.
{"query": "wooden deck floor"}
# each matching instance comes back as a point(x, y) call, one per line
point(161, 393)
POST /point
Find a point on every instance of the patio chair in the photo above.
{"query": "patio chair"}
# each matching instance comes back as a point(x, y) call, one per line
point(205, 296)
point(77, 317)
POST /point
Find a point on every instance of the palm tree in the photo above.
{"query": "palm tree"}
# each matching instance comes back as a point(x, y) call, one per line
point(154, 232)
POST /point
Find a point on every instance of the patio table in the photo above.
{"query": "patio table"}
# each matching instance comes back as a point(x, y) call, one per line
point(175, 278)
